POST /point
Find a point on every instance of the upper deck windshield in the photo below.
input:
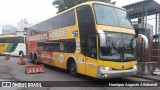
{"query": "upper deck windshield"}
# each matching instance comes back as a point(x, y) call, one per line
point(111, 16)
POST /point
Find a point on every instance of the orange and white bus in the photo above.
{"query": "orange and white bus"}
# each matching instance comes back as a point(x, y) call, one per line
point(94, 38)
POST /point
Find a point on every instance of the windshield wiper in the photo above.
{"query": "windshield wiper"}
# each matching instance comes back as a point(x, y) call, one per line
point(130, 58)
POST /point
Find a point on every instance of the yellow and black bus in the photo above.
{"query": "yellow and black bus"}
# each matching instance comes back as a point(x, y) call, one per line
point(94, 38)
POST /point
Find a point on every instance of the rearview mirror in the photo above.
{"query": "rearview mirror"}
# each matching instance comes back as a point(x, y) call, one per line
point(102, 38)
point(145, 40)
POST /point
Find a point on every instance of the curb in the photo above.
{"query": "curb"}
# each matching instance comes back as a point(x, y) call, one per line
point(148, 78)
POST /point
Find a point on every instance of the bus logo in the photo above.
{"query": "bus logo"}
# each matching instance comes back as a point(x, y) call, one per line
point(61, 58)
point(61, 47)
point(6, 84)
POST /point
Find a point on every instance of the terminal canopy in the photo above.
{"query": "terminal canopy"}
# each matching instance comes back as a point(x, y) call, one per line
point(138, 9)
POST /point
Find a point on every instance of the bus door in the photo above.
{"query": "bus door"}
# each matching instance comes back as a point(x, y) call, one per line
point(87, 39)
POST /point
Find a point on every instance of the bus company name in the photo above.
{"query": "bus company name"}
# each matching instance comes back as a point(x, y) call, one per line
point(39, 37)
point(56, 34)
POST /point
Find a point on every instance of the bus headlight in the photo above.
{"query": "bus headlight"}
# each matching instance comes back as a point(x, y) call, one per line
point(103, 68)
point(134, 67)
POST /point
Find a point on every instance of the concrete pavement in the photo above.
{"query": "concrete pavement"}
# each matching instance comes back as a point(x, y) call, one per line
point(150, 77)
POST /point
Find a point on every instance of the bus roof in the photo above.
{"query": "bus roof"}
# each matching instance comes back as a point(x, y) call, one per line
point(85, 3)
point(10, 36)
point(90, 3)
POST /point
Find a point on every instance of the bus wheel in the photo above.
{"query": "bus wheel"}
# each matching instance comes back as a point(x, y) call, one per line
point(21, 53)
point(36, 60)
point(73, 68)
point(31, 58)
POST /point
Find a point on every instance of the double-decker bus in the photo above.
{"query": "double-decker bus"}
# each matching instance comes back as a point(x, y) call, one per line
point(94, 38)
point(13, 45)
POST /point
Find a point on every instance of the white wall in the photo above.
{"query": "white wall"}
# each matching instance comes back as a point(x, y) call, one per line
point(23, 24)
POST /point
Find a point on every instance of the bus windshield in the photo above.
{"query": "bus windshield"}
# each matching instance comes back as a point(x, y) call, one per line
point(111, 16)
point(118, 46)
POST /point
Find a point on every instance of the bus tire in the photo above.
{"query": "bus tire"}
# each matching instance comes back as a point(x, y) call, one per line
point(36, 59)
point(73, 68)
point(31, 58)
point(21, 53)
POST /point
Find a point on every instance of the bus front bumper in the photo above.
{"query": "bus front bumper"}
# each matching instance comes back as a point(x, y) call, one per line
point(116, 73)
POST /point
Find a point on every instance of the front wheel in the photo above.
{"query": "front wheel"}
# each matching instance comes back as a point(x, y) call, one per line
point(73, 69)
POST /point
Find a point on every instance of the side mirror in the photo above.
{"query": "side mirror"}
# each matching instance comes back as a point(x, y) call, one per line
point(102, 38)
point(145, 40)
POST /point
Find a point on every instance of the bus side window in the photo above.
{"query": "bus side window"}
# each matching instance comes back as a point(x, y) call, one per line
point(43, 46)
point(15, 40)
point(70, 46)
point(54, 46)
point(21, 39)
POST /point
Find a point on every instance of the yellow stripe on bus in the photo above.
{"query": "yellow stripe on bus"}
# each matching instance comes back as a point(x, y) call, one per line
point(3, 47)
